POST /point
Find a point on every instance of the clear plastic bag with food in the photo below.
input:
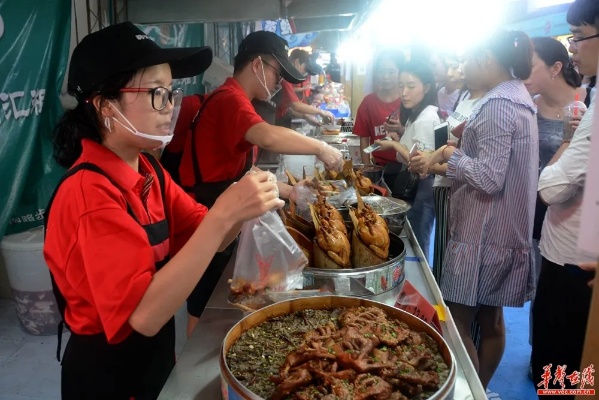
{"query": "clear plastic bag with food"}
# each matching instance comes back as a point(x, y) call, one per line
point(267, 260)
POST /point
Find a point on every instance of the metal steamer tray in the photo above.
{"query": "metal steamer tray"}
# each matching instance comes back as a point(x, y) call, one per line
point(394, 211)
point(363, 282)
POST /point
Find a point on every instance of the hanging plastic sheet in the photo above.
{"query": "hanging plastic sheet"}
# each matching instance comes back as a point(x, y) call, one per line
point(34, 47)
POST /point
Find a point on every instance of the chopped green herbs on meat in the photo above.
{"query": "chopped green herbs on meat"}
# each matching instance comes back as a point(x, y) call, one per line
point(352, 353)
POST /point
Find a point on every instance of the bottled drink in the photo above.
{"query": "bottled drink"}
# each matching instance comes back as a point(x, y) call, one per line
point(573, 111)
point(345, 150)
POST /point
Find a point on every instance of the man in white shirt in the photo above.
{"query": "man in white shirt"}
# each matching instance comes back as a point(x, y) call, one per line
point(562, 301)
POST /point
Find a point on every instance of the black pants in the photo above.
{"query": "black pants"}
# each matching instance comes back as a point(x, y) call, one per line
point(136, 368)
point(197, 300)
point(560, 313)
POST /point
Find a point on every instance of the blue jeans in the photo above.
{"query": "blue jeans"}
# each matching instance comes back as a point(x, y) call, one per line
point(422, 214)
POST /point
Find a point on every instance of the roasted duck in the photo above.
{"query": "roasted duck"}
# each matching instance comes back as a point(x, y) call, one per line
point(363, 184)
point(326, 211)
point(372, 230)
point(334, 243)
point(332, 249)
point(370, 239)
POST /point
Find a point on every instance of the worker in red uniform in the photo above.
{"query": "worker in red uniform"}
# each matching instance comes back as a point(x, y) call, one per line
point(289, 105)
point(124, 244)
point(301, 61)
point(220, 149)
point(285, 104)
point(378, 114)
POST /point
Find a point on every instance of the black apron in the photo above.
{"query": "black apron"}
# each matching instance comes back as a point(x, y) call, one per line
point(206, 193)
point(135, 368)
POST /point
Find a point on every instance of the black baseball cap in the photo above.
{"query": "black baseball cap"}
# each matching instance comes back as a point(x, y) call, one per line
point(264, 42)
point(124, 47)
point(312, 68)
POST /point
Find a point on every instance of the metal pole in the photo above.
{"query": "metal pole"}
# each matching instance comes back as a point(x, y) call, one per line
point(89, 25)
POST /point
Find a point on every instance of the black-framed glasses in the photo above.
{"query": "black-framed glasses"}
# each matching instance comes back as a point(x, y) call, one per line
point(160, 96)
point(574, 42)
point(279, 76)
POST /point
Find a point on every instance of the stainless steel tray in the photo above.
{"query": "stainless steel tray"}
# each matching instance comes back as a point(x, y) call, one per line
point(363, 282)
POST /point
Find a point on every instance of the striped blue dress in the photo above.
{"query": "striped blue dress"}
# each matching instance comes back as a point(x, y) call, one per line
point(489, 258)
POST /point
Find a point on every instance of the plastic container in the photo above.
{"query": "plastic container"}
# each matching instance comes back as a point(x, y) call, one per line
point(29, 279)
point(572, 111)
point(345, 150)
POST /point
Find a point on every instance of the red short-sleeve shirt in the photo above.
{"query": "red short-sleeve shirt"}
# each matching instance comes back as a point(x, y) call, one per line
point(189, 108)
point(305, 85)
point(98, 254)
point(372, 114)
point(288, 97)
point(220, 142)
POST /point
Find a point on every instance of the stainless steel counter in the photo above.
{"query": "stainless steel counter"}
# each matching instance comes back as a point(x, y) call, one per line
point(197, 376)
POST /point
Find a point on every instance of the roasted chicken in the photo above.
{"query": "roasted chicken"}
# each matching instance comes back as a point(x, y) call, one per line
point(334, 242)
point(373, 231)
point(331, 214)
point(363, 184)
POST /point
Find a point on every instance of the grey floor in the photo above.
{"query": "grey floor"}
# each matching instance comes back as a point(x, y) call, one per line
point(28, 366)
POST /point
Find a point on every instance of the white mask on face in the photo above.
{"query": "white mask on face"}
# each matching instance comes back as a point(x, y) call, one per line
point(269, 95)
point(164, 140)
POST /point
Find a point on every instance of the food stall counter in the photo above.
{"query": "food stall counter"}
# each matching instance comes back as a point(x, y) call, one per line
point(197, 374)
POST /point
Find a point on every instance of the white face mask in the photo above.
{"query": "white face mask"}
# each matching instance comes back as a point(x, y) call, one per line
point(269, 95)
point(164, 140)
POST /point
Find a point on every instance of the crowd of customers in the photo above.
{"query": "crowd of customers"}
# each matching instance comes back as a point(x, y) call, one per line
point(505, 191)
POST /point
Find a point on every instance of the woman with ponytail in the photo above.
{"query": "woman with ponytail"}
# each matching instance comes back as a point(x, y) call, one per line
point(489, 258)
point(124, 244)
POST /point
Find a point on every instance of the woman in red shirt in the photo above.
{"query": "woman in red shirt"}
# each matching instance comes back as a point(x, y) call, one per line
point(378, 114)
point(124, 244)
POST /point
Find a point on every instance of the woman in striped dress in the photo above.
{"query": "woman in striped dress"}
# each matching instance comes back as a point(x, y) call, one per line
point(489, 258)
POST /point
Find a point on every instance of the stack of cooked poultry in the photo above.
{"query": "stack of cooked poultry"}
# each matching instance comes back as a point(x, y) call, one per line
point(369, 240)
point(335, 246)
point(371, 231)
point(332, 248)
point(363, 184)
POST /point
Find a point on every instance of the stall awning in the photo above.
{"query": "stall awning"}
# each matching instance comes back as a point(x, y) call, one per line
point(553, 24)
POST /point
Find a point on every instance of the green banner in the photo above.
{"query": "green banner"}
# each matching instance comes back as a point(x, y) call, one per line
point(179, 35)
point(34, 47)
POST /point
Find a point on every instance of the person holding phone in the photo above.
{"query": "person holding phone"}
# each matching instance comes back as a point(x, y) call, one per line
point(489, 259)
point(419, 115)
point(446, 132)
point(378, 114)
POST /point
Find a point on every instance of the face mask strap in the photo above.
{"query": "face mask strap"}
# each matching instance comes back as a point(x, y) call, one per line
point(130, 128)
point(162, 139)
point(269, 95)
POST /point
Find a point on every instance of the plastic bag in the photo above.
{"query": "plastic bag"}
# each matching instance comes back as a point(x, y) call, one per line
point(306, 194)
point(267, 260)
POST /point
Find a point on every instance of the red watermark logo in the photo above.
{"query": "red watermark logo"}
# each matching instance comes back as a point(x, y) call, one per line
point(586, 378)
